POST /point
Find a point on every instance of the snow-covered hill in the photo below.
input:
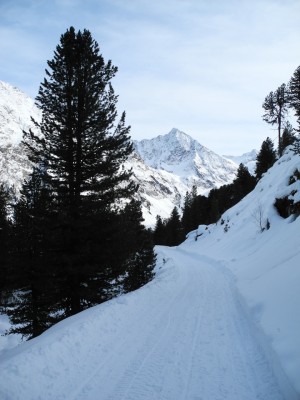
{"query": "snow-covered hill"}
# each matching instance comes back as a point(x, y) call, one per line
point(165, 167)
point(220, 320)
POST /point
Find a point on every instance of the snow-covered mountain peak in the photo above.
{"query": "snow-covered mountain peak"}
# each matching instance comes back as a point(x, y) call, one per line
point(167, 151)
point(181, 139)
point(178, 153)
point(16, 110)
point(171, 148)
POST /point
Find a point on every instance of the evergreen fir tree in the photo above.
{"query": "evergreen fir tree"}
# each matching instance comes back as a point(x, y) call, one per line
point(201, 207)
point(296, 146)
point(137, 242)
point(265, 158)
point(214, 212)
point(174, 231)
point(190, 211)
point(294, 94)
point(159, 233)
point(288, 136)
point(243, 184)
point(83, 149)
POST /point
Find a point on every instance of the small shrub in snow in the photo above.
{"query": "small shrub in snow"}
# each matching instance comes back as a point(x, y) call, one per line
point(226, 228)
point(287, 206)
point(295, 177)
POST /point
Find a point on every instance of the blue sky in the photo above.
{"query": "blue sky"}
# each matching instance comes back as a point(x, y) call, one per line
point(202, 66)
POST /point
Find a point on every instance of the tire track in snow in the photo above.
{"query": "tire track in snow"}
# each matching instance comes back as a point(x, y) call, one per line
point(157, 319)
point(198, 346)
point(237, 367)
point(157, 364)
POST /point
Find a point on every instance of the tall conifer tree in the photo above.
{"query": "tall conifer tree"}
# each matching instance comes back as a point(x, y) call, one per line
point(294, 94)
point(83, 148)
point(265, 158)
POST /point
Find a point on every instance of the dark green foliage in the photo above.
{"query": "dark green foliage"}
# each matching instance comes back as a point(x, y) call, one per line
point(227, 196)
point(31, 271)
point(296, 147)
point(275, 106)
point(159, 233)
point(295, 177)
point(193, 209)
point(174, 231)
point(294, 94)
point(83, 150)
point(81, 146)
point(5, 231)
point(202, 210)
point(243, 184)
point(265, 158)
point(288, 136)
point(286, 206)
point(283, 206)
point(187, 215)
point(219, 201)
point(137, 243)
point(169, 232)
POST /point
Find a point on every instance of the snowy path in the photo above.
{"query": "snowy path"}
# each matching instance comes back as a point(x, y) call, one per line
point(196, 346)
point(188, 340)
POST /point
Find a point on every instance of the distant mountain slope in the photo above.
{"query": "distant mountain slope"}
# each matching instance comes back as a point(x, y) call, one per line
point(177, 162)
point(248, 159)
point(16, 110)
point(183, 156)
point(165, 167)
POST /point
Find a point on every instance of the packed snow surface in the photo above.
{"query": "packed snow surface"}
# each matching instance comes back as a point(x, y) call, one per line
point(183, 336)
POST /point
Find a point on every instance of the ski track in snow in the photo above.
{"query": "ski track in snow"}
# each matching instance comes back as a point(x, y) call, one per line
point(198, 346)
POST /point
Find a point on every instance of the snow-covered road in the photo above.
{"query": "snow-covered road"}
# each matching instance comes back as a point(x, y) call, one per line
point(183, 336)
